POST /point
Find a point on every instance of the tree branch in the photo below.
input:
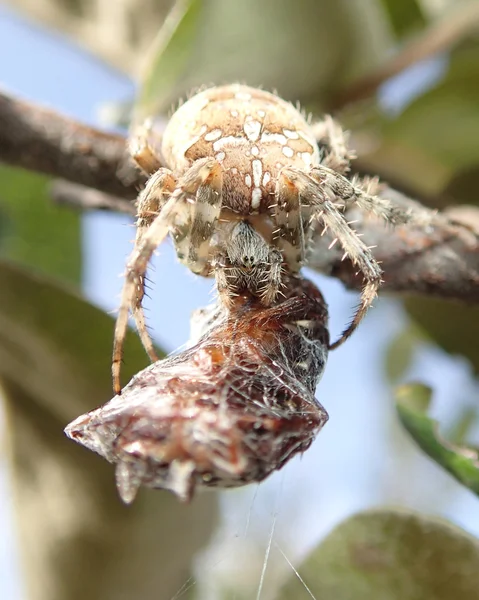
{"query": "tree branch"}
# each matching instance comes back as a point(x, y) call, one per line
point(442, 260)
point(80, 197)
point(439, 260)
point(42, 140)
point(452, 28)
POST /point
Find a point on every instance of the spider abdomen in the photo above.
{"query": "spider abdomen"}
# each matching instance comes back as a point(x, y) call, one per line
point(251, 133)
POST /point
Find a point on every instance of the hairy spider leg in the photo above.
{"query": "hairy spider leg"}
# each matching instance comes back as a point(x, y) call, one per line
point(203, 183)
point(133, 286)
point(365, 190)
point(143, 147)
point(271, 283)
point(315, 191)
point(200, 184)
point(333, 139)
point(291, 221)
point(360, 191)
point(150, 203)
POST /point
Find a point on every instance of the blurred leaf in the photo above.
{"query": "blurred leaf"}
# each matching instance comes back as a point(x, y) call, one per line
point(169, 56)
point(58, 346)
point(78, 540)
point(400, 352)
point(406, 16)
point(438, 10)
point(464, 185)
point(445, 120)
point(436, 135)
point(415, 397)
point(390, 555)
point(462, 462)
point(34, 231)
point(463, 424)
point(452, 325)
point(306, 49)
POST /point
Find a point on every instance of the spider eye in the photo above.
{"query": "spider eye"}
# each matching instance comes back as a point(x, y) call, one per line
point(248, 261)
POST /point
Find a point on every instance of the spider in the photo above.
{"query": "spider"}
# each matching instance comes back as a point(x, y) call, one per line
point(239, 182)
point(228, 411)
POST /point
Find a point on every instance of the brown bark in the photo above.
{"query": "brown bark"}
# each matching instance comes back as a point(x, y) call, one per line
point(440, 260)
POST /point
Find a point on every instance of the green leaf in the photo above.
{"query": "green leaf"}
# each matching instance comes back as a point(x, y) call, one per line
point(412, 402)
point(400, 353)
point(452, 325)
point(33, 231)
point(463, 186)
point(406, 16)
point(169, 57)
point(77, 539)
point(390, 555)
point(463, 423)
point(306, 49)
point(436, 135)
point(445, 121)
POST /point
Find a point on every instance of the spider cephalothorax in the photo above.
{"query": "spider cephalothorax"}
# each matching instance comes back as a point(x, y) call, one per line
point(239, 181)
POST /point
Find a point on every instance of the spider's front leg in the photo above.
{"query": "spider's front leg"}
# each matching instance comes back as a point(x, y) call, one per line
point(202, 184)
point(151, 200)
point(335, 164)
point(308, 191)
point(143, 146)
point(362, 193)
point(182, 212)
point(333, 141)
point(150, 203)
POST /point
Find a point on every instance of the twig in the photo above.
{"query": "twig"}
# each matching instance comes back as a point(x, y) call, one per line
point(42, 140)
point(437, 260)
point(80, 197)
point(442, 260)
point(447, 32)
